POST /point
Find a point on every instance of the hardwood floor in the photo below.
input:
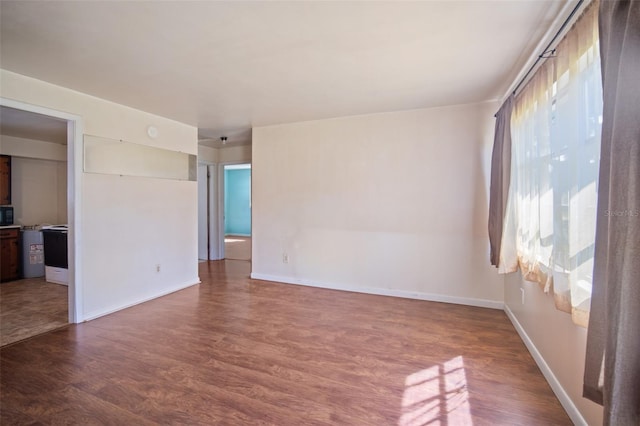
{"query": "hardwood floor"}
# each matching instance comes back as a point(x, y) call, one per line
point(238, 351)
point(30, 307)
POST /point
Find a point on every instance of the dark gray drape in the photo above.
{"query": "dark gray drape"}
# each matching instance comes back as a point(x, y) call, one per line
point(612, 370)
point(500, 177)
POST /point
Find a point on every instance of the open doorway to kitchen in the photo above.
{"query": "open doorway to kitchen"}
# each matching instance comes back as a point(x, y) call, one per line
point(237, 211)
point(39, 289)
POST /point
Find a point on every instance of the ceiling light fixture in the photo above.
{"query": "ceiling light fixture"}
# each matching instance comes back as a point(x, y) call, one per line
point(223, 139)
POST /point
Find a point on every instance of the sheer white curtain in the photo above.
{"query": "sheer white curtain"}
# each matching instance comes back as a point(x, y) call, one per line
point(550, 220)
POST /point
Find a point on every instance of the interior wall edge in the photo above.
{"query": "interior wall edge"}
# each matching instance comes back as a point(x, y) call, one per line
point(430, 297)
point(207, 155)
point(118, 307)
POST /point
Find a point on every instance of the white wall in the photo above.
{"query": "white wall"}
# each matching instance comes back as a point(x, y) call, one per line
point(560, 342)
point(228, 154)
point(30, 148)
point(38, 191)
point(235, 154)
point(62, 192)
point(207, 155)
point(392, 203)
point(128, 224)
point(39, 180)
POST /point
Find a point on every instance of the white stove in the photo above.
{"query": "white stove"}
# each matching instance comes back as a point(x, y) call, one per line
point(56, 227)
point(56, 265)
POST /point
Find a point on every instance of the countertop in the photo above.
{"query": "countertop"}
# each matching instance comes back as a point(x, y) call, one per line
point(10, 226)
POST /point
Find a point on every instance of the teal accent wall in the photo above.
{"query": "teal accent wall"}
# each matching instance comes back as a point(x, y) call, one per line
point(237, 201)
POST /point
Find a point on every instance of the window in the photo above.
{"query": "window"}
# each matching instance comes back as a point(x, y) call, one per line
point(551, 212)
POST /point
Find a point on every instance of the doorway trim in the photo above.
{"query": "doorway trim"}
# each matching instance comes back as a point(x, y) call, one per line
point(211, 200)
point(220, 197)
point(75, 130)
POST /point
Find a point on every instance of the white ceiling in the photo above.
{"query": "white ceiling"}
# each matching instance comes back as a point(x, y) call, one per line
point(29, 125)
point(226, 66)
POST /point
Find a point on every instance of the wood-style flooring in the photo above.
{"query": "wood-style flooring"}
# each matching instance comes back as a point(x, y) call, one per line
point(237, 248)
point(237, 351)
point(30, 307)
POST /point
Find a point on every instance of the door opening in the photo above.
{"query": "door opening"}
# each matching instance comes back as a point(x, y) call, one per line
point(68, 177)
point(237, 211)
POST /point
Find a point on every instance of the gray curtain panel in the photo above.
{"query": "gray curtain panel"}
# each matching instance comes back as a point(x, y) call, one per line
point(500, 177)
point(612, 370)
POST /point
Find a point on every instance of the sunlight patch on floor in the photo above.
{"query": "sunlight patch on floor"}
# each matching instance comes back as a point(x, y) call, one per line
point(437, 395)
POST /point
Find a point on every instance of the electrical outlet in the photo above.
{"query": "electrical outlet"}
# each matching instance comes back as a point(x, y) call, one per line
point(285, 258)
point(158, 267)
point(522, 293)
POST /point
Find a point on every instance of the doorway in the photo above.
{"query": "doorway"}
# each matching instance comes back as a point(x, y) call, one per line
point(67, 167)
point(224, 211)
point(207, 229)
point(237, 211)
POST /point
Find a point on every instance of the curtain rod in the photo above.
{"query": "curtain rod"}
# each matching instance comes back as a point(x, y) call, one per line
point(547, 51)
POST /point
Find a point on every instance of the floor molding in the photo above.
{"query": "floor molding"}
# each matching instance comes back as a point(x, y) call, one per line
point(432, 297)
point(557, 388)
point(97, 314)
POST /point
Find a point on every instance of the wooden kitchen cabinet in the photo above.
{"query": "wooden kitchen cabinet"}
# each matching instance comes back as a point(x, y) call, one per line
point(5, 180)
point(9, 254)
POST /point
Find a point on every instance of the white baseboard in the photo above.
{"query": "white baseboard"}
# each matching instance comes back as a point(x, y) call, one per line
point(432, 297)
point(115, 308)
point(553, 381)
